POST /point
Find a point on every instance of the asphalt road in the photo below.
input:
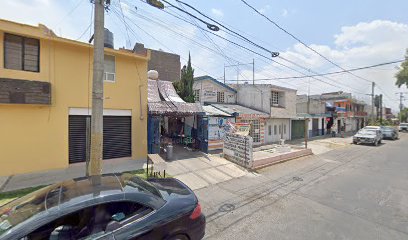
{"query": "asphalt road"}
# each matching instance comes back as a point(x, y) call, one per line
point(354, 192)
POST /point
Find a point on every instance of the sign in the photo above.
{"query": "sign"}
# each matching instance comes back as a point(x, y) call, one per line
point(238, 149)
point(242, 128)
point(217, 127)
point(210, 93)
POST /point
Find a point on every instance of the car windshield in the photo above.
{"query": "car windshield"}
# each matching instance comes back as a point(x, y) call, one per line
point(27, 206)
point(367, 132)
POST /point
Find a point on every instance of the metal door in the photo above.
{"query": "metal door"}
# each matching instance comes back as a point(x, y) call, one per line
point(117, 136)
point(298, 129)
point(202, 133)
point(315, 127)
point(153, 134)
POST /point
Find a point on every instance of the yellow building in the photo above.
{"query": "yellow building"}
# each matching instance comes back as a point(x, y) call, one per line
point(45, 100)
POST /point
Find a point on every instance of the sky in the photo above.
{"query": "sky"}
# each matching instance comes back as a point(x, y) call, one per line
point(349, 33)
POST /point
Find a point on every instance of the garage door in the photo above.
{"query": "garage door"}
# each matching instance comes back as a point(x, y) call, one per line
point(298, 129)
point(117, 138)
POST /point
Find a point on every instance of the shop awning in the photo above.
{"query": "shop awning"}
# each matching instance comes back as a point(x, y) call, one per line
point(163, 99)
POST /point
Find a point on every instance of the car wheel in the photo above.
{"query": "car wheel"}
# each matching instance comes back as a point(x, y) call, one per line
point(178, 237)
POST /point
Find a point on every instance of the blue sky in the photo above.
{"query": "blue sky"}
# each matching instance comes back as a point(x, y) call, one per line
point(351, 33)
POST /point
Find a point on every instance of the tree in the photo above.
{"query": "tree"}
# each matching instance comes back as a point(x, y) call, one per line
point(402, 75)
point(403, 115)
point(184, 87)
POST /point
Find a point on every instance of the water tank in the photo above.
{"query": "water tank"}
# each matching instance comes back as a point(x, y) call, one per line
point(108, 38)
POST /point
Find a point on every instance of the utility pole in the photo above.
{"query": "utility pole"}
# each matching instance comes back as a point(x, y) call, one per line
point(224, 73)
point(372, 102)
point(253, 71)
point(95, 164)
point(401, 106)
point(381, 109)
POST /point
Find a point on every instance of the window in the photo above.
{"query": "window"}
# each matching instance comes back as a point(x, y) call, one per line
point(280, 129)
point(220, 96)
point(274, 98)
point(270, 130)
point(275, 131)
point(109, 69)
point(21, 53)
point(91, 222)
point(197, 95)
point(254, 131)
point(284, 129)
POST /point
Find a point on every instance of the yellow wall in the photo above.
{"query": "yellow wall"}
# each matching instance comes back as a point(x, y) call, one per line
point(34, 137)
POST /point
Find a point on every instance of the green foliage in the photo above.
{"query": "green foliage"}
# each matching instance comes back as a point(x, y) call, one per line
point(184, 87)
point(403, 115)
point(402, 75)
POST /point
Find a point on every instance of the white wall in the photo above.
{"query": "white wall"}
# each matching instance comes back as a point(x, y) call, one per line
point(275, 136)
point(258, 97)
point(208, 91)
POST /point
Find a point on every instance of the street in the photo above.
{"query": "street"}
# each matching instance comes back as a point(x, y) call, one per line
point(353, 192)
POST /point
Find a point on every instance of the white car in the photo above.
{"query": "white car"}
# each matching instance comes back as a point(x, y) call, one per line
point(403, 127)
point(368, 136)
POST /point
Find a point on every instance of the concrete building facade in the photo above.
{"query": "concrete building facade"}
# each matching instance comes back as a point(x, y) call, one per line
point(167, 64)
point(43, 122)
point(209, 90)
point(278, 102)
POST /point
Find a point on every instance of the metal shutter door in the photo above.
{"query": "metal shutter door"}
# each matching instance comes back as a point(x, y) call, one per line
point(77, 135)
point(117, 138)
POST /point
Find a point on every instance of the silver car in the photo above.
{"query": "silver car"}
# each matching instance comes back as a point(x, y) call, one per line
point(390, 133)
point(403, 127)
point(368, 136)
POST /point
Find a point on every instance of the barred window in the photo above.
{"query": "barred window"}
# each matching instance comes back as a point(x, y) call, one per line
point(197, 95)
point(220, 96)
point(255, 129)
point(274, 98)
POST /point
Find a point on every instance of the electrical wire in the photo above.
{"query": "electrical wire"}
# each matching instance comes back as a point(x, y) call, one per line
point(273, 54)
point(300, 41)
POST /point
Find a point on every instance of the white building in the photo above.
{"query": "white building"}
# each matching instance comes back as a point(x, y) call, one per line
point(278, 102)
point(209, 90)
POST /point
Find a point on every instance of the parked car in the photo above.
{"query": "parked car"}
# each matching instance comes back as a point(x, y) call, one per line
point(369, 136)
point(112, 206)
point(390, 133)
point(380, 128)
point(403, 127)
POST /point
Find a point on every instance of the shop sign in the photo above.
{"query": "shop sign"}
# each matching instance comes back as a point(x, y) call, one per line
point(238, 149)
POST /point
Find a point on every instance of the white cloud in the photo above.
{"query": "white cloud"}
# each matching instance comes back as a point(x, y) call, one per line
point(264, 9)
point(363, 44)
point(217, 12)
point(284, 13)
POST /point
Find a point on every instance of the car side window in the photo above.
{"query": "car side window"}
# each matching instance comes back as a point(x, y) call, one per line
point(91, 222)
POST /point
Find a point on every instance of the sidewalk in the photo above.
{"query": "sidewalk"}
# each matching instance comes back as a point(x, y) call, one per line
point(14, 182)
point(198, 170)
point(322, 144)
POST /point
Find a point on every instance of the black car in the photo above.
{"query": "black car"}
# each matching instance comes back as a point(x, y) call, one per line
point(112, 206)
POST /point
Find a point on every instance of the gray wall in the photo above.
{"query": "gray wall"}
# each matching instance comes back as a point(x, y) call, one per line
point(167, 64)
point(258, 97)
point(315, 106)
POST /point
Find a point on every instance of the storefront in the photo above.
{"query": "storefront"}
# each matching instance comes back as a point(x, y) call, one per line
point(171, 120)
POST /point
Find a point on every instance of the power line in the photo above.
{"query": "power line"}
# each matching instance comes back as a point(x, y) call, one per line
point(279, 63)
point(273, 54)
point(133, 32)
point(300, 41)
point(215, 45)
point(331, 73)
point(124, 20)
